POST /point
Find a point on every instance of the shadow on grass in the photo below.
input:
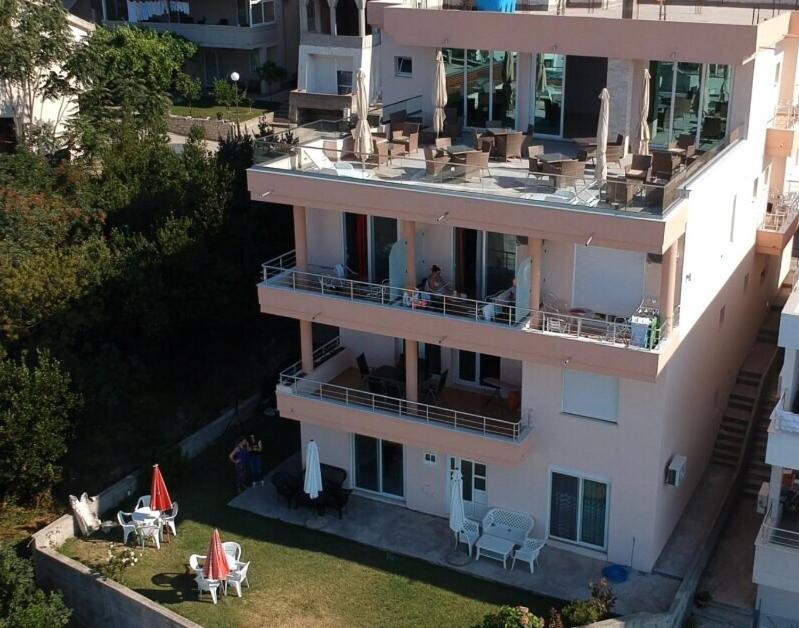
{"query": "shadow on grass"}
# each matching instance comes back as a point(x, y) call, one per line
point(171, 588)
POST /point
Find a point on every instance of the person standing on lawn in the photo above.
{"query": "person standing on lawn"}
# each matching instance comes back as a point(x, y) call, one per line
point(254, 449)
point(239, 459)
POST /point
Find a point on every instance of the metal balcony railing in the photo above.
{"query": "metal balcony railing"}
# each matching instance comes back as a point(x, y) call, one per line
point(280, 272)
point(771, 534)
point(407, 410)
point(784, 209)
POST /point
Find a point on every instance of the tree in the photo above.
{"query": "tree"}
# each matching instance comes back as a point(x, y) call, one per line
point(188, 88)
point(123, 77)
point(270, 72)
point(36, 408)
point(22, 604)
point(35, 42)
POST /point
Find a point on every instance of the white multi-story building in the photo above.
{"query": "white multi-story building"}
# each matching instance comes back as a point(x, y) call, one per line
point(232, 35)
point(776, 568)
point(575, 362)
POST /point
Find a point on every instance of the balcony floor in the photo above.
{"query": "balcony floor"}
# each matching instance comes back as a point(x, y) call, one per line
point(460, 398)
point(394, 528)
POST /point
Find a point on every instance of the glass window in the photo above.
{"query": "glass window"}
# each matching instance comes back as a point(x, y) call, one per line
point(467, 366)
point(392, 468)
point(453, 65)
point(366, 463)
point(687, 94)
point(549, 76)
point(384, 235)
point(344, 80)
point(715, 103)
point(478, 86)
point(500, 262)
point(504, 92)
point(578, 510)
point(310, 12)
point(269, 11)
point(590, 395)
point(660, 108)
point(403, 66)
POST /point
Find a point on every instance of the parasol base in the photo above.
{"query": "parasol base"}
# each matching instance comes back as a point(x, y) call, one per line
point(316, 523)
point(458, 559)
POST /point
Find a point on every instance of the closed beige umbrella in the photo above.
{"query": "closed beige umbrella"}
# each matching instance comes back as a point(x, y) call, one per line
point(601, 170)
point(363, 134)
point(643, 126)
point(439, 94)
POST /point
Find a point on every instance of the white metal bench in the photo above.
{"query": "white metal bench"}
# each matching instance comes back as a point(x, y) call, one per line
point(507, 524)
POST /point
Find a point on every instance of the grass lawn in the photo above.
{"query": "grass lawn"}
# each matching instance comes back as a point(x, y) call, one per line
point(207, 108)
point(298, 577)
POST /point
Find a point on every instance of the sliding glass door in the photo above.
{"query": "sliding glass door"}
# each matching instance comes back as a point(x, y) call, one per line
point(578, 510)
point(550, 74)
point(379, 466)
point(688, 99)
point(474, 475)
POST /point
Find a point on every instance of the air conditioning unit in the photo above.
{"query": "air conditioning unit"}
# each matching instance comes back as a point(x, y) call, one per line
point(675, 472)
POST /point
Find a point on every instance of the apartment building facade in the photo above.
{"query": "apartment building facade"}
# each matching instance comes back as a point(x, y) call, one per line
point(576, 363)
point(335, 41)
point(776, 566)
point(232, 35)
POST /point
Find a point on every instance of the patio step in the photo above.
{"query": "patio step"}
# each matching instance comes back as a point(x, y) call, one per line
point(718, 615)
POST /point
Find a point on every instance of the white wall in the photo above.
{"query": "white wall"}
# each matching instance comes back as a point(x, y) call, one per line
point(325, 237)
point(317, 66)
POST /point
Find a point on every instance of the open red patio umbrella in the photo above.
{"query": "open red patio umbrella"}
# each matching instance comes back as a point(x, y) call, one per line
point(215, 566)
point(159, 496)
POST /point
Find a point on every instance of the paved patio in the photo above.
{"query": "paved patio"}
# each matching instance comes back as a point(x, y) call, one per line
point(560, 573)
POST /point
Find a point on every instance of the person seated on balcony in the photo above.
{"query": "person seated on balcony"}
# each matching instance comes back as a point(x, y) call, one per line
point(435, 283)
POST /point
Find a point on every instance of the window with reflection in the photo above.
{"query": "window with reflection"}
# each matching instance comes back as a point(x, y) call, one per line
point(453, 65)
point(500, 261)
point(549, 73)
point(503, 74)
point(478, 86)
point(688, 99)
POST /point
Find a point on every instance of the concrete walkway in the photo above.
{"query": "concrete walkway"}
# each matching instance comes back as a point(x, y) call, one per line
point(560, 573)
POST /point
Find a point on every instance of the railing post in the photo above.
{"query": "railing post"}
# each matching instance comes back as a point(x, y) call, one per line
point(352, 290)
point(294, 281)
point(444, 311)
point(579, 326)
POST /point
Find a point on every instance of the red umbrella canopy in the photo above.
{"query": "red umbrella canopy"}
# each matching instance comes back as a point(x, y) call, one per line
point(159, 496)
point(215, 567)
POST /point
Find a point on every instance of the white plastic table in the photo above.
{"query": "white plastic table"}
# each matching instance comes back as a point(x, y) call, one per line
point(494, 547)
point(145, 514)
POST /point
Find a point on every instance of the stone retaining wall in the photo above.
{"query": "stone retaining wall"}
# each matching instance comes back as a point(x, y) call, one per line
point(214, 129)
point(99, 602)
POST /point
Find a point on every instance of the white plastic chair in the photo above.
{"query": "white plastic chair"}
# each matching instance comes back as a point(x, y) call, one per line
point(528, 553)
point(206, 585)
point(126, 523)
point(238, 576)
point(169, 519)
point(232, 549)
point(149, 531)
point(195, 565)
point(469, 533)
point(144, 502)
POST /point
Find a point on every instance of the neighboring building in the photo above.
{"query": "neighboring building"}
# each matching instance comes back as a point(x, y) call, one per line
point(776, 568)
point(232, 35)
point(335, 42)
point(51, 111)
point(596, 329)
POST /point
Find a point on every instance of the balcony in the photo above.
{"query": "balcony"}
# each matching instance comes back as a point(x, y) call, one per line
point(216, 35)
point(460, 421)
point(777, 552)
point(616, 346)
point(778, 225)
point(326, 40)
point(782, 135)
point(783, 437)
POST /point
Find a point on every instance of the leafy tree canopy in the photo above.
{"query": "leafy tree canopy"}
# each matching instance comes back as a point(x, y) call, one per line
point(22, 604)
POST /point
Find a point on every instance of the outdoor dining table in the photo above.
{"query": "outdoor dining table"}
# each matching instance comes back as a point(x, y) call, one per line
point(458, 149)
point(500, 131)
point(145, 515)
point(553, 158)
point(494, 547)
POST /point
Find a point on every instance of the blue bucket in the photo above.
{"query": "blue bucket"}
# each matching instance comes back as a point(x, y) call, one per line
point(616, 573)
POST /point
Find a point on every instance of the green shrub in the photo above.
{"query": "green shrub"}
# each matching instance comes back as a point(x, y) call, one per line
point(22, 604)
point(511, 617)
point(582, 612)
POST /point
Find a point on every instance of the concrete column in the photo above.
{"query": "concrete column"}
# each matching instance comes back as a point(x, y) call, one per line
point(317, 16)
point(411, 370)
point(304, 15)
point(306, 346)
point(300, 238)
point(668, 281)
point(524, 90)
point(535, 246)
point(361, 6)
point(408, 230)
point(332, 4)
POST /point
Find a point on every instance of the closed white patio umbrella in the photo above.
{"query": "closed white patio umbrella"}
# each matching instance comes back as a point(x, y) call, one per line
point(363, 134)
point(439, 94)
point(457, 517)
point(601, 170)
point(644, 134)
point(313, 472)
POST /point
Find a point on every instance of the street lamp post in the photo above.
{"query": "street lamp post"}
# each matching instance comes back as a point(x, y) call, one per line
point(234, 76)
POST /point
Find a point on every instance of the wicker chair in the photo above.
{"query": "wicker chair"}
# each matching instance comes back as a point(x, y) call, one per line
point(443, 142)
point(534, 165)
point(665, 164)
point(379, 156)
point(687, 142)
point(565, 173)
point(474, 164)
point(509, 145)
point(434, 161)
point(639, 168)
point(407, 135)
point(484, 143)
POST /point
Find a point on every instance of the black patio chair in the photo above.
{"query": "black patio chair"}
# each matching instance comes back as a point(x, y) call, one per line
point(363, 366)
point(434, 391)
